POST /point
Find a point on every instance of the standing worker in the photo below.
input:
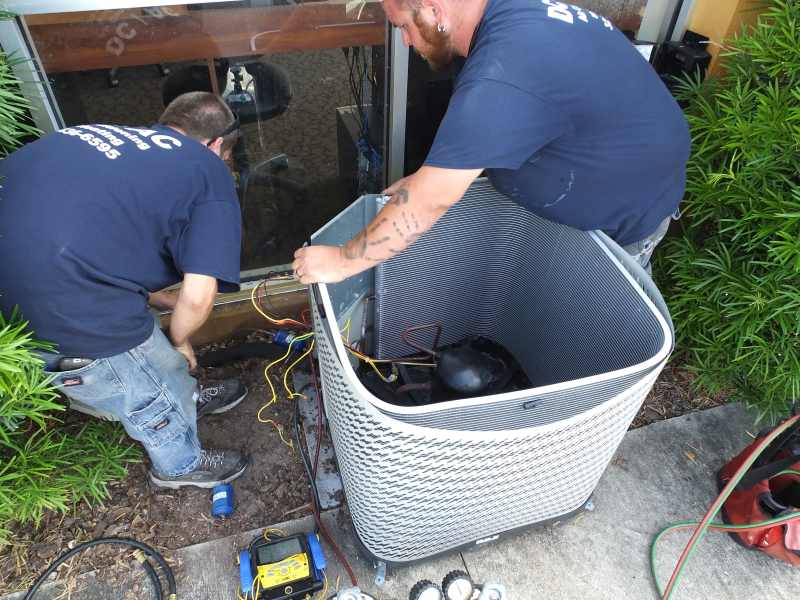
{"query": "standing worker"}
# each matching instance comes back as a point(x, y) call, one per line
point(557, 106)
point(94, 221)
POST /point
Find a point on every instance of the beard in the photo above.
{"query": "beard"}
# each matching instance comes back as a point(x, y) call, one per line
point(439, 52)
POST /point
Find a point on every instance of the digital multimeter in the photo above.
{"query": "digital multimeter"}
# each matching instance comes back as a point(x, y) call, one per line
point(286, 568)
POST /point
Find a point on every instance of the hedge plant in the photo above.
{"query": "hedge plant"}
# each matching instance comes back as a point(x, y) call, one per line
point(732, 276)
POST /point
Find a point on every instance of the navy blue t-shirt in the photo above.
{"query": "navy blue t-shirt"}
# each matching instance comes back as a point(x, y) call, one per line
point(93, 218)
point(569, 119)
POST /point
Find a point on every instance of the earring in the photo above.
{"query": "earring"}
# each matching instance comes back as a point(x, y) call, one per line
point(440, 28)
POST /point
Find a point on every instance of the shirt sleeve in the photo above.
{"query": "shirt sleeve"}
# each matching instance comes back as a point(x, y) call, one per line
point(211, 242)
point(493, 125)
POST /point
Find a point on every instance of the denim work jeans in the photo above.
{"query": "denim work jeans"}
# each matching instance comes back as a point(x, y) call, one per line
point(642, 250)
point(150, 391)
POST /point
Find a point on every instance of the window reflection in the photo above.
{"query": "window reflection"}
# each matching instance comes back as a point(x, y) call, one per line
point(305, 79)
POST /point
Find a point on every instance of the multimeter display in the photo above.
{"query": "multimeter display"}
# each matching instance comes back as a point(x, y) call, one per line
point(277, 552)
point(288, 568)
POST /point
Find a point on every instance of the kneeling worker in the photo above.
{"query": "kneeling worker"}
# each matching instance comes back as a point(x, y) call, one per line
point(94, 220)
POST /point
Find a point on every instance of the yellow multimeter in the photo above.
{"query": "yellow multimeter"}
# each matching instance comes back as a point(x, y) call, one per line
point(286, 568)
point(281, 562)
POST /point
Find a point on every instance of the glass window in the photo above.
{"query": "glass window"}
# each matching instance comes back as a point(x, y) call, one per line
point(305, 79)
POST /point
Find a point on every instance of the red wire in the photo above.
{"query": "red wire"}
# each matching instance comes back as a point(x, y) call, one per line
point(317, 517)
point(723, 496)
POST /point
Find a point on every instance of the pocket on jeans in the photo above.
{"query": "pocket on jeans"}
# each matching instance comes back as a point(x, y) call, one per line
point(159, 421)
point(95, 382)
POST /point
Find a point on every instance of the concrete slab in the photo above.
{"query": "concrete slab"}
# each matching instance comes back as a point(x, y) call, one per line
point(329, 484)
point(661, 474)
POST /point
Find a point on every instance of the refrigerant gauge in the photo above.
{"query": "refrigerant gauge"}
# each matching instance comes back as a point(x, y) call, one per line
point(458, 585)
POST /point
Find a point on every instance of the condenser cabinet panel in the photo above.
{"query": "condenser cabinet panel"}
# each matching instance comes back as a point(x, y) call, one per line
point(586, 324)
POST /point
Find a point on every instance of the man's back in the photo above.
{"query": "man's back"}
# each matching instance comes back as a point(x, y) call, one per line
point(94, 217)
point(571, 121)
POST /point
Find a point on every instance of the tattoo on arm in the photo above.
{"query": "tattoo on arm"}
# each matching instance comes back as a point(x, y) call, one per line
point(407, 228)
point(356, 247)
point(374, 227)
point(400, 197)
point(383, 240)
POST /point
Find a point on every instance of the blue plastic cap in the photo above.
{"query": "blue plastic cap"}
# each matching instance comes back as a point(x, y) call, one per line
point(316, 551)
point(245, 573)
point(222, 501)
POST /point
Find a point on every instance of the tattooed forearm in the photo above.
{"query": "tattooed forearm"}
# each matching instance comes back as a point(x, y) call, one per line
point(399, 225)
point(376, 225)
point(356, 247)
point(399, 197)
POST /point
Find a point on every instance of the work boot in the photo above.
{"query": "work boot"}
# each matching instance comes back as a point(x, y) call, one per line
point(220, 397)
point(215, 468)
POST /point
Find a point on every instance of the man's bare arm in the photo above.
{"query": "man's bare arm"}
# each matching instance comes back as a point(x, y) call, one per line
point(195, 301)
point(416, 203)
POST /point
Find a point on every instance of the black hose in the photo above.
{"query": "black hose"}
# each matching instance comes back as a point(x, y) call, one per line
point(151, 573)
point(216, 358)
point(148, 552)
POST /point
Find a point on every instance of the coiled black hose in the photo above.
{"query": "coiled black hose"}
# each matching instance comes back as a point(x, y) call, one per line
point(149, 553)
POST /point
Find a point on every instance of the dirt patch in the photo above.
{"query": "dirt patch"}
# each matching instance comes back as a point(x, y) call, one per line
point(273, 490)
point(674, 394)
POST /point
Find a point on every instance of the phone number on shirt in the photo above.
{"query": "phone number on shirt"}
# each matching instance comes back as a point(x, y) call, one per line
point(93, 140)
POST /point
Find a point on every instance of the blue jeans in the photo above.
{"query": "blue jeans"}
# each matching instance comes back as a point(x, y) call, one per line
point(149, 390)
point(642, 251)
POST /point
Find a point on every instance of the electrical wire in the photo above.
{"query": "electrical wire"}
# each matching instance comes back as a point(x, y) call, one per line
point(324, 589)
point(320, 417)
point(273, 391)
point(271, 319)
point(147, 554)
point(706, 523)
point(323, 530)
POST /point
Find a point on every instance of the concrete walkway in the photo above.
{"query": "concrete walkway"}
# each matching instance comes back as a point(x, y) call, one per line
point(661, 474)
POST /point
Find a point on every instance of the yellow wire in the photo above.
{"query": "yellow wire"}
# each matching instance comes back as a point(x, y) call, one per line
point(290, 367)
point(324, 592)
point(268, 317)
point(346, 331)
point(269, 530)
point(274, 393)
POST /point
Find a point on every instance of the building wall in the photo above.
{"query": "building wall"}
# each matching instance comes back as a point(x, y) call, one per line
point(721, 20)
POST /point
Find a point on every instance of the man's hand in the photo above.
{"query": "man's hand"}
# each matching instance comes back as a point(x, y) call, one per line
point(320, 264)
point(163, 299)
point(195, 301)
point(416, 203)
point(188, 353)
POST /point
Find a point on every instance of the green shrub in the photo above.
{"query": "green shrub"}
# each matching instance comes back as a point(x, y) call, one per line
point(733, 277)
point(14, 108)
point(44, 466)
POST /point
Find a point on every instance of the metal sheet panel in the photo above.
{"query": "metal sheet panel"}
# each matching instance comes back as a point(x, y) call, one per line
point(421, 481)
